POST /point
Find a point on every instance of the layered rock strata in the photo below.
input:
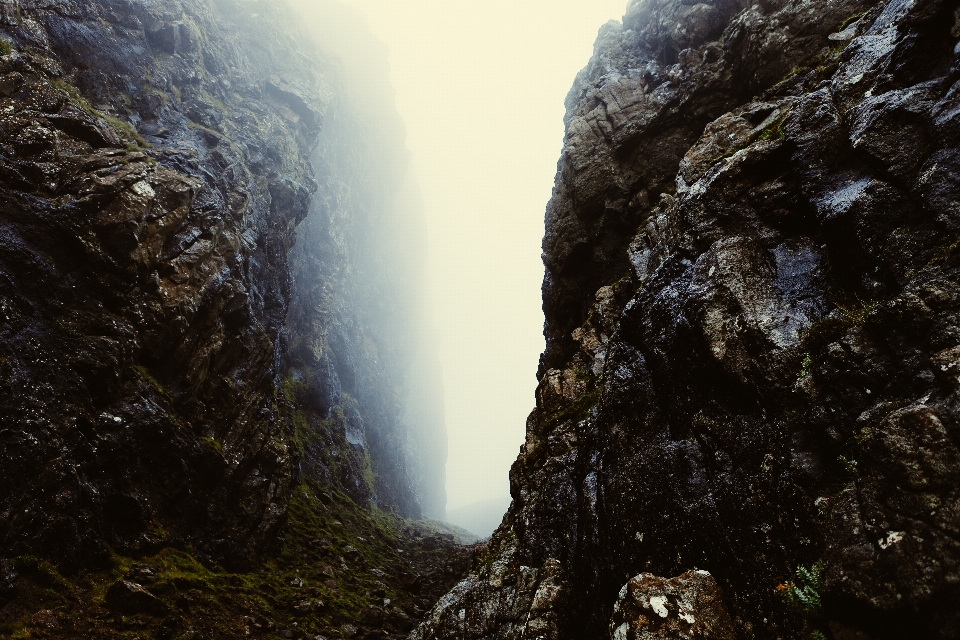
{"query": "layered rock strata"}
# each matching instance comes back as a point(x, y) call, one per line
point(751, 316)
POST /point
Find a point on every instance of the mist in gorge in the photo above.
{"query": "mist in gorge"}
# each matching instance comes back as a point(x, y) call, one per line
point(362, 346)
point(479, 320)
point(465, 78)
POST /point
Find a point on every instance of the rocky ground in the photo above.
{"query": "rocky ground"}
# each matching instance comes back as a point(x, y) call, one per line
point(344, 572)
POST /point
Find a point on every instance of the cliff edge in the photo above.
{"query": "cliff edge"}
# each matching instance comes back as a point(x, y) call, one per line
point(747, 418)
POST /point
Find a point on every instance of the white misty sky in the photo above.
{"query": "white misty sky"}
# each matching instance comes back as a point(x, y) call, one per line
point(480, 85)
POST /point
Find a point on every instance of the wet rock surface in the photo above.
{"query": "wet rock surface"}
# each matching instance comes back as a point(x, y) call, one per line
point(344, 571)
point(686, 607)
point(149, 201)
point(216, 401)
point(363, 371)
point(751, 303)
point(196, 280)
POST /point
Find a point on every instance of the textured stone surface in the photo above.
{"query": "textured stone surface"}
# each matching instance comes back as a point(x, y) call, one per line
point(686, 607)
point(751, 301)
point(145, 277)
point(175, 354)
point(132, 598)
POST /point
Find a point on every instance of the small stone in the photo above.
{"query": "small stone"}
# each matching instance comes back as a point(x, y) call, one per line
point(131, 598)
point(44, 619)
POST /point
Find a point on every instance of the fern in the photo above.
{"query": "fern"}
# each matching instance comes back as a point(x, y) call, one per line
point(803, 592)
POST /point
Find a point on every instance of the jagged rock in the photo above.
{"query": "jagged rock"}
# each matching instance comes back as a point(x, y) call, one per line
point(195, 281)
point(146, 278)
point(751, 310)
point(131, 598)
point(687, 607)
point(533, 606)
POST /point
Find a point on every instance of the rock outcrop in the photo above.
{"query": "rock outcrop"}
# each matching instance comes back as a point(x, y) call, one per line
point(751, 302)
point(687, 607)
point(155, 166)
point(200, 307)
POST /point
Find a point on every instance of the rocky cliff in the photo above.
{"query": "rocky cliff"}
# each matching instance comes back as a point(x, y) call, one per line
point(208, 312)
point(155, 167)
point(363, 364)
point(747, 418)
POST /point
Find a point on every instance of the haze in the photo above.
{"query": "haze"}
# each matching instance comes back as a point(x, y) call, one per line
point(481, 87)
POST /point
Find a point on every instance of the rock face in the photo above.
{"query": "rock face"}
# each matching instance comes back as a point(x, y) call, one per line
point(156, 159)
point(363, 366)
point(752, 334)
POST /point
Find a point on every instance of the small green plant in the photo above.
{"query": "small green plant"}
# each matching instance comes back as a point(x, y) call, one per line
point(803, 592)
point(5, 47)
point(818, 635)
point(849, 465)
point(805, 369)
point(773, 131)
point(212, 443)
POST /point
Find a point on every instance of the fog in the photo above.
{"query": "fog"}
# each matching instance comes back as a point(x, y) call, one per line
point(480, 86)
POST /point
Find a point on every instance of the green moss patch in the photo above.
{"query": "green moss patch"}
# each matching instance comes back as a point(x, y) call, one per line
point(338, 559)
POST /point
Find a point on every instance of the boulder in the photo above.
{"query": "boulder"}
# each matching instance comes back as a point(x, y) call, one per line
point(688, 607)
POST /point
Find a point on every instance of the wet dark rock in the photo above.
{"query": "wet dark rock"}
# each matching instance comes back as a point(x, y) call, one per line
point(131, 598)
point(193, 284)
point(145, 288)
point(751, 320)
point(682, 608)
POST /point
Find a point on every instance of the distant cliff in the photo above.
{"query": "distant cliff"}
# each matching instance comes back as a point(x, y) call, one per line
point(209, 283)
point(747, 418)
point(364, 366)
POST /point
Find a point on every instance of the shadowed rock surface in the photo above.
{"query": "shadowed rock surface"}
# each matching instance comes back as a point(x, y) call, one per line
point(218, 402)
point(154, 171)
point(751, 316)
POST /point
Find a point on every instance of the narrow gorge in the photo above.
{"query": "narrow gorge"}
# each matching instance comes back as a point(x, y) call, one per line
point(222, 412)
